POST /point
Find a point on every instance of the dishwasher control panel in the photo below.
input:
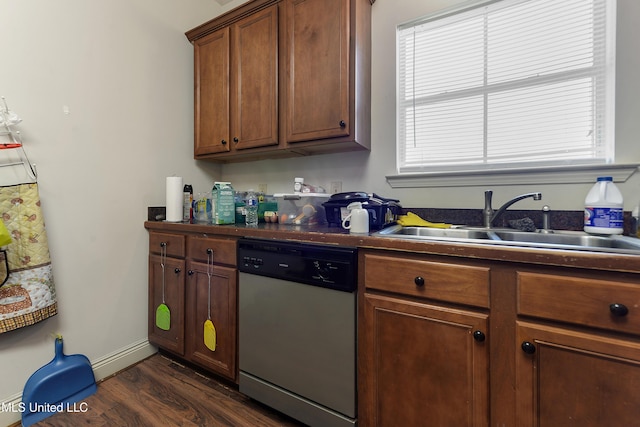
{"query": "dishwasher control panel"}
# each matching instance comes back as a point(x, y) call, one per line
point(321, 265)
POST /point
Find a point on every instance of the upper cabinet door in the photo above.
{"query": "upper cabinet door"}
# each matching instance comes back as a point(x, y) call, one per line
point(211, 70)
point(317, 65)
point(254, 80)
point(282, 78)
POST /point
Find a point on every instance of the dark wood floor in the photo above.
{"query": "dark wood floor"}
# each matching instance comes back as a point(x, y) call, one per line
point(161, 392)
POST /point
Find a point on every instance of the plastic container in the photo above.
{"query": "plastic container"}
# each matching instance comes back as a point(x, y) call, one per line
point(203, 212)
point(267, 204)
point(301, 208)
point(251, 209)
point(603, 206)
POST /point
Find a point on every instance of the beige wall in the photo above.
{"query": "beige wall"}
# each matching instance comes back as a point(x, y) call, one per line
point(367, 171)
point(124, 70)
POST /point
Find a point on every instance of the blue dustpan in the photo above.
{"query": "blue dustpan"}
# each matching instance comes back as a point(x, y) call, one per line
point(57, 386)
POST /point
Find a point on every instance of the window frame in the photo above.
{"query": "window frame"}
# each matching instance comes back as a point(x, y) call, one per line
point(512, 173)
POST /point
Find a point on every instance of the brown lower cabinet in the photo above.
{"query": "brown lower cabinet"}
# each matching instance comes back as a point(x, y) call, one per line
point(567, 378)
point(423, 361)
point(212, 296)
point(429, 370)
point(173, 283)
point(200, 283)
point(449, 341)
point(166, 286)
point(567, 374)
point(442, 340)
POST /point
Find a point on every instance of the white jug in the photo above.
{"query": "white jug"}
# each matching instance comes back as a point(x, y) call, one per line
point(358, 219)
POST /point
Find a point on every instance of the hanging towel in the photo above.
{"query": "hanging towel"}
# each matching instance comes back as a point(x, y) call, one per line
point(28, 296)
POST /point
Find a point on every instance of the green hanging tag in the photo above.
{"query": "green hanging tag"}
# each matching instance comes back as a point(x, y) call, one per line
point(163, 317)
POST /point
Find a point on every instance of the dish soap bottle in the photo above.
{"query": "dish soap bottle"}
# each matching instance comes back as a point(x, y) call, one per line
point(603, 208)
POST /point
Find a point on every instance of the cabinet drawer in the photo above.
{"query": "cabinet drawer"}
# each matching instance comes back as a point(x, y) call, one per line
point(175, 243)
point(456, 283)
point(581, 301)
point(224, 250)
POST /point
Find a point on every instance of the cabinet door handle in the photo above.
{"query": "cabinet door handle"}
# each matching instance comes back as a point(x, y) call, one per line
point(163, 244)
point(223, 142)
point(343, 124)
point(419, 281)
point(479, 336)
point(235, 139)
point(528, 348)
point(190, 272)
point(177, 270)
point(618, 310)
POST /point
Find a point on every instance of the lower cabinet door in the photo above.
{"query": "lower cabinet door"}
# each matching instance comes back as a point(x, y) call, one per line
point(570, 378)
point(212, 296)
point(422, 365)
point(166, 286)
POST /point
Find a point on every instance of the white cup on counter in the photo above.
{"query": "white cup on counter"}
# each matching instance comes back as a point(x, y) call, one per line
point(357, 222)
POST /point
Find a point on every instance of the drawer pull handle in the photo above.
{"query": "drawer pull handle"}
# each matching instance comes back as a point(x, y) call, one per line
point(177, 270)
point(479, 336)
point(163, 244)
point(419, 281)
point(618, 310)
point(528, 348)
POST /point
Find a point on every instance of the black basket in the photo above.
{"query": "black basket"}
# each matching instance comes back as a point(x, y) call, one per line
point(382, 211)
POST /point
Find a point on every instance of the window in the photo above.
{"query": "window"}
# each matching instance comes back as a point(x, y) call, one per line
point(504, 84)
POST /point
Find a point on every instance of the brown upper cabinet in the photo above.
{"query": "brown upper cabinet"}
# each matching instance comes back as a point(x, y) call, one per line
point(280, 78)
point(236, 85)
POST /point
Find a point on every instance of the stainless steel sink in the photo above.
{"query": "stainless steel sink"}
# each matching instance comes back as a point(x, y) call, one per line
point(556, 239)
point(572, 238)
point(424, 232)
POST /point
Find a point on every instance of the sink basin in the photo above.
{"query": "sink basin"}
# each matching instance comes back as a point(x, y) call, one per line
point(424, 232)
point(571, 238)
point(557, 239)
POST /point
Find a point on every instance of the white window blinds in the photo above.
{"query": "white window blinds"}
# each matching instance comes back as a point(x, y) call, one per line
point(506, 83)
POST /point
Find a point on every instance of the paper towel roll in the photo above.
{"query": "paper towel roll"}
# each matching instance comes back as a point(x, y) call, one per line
point(174, 198)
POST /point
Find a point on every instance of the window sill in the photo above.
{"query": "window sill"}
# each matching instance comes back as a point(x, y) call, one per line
point(541, 175)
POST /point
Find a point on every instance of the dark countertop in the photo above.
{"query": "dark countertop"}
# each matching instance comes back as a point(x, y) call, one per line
point(337, 236)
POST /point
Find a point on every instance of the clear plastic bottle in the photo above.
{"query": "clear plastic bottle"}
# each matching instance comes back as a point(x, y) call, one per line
point(603, 208)
point(251, 207)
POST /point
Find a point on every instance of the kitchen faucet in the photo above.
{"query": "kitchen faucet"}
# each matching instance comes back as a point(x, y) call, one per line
point(490, 216)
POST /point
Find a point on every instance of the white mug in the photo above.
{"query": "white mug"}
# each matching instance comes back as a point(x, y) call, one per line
point(358, 220)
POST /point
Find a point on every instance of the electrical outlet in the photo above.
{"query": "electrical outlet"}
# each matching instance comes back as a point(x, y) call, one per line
point(336, 187)
point(262, 188)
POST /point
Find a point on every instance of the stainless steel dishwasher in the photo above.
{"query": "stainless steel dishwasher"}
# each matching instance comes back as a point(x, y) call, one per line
point(297, 329)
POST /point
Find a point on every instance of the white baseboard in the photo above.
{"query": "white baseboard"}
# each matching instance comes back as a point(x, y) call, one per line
point(121, 359)
point(102, 368)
